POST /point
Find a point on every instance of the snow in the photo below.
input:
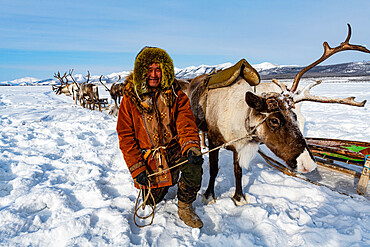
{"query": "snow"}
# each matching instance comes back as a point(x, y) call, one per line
point(63, 182)
point(21, 81)
point(193, 71)
point(264, 66)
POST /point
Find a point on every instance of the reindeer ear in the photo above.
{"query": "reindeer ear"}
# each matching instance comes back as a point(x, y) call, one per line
point(255, 101)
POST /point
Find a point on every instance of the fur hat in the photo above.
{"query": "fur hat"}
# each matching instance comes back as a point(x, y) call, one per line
point(146, 57)
point(137, 87)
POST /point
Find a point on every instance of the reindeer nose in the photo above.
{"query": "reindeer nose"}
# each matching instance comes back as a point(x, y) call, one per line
point(305, 163)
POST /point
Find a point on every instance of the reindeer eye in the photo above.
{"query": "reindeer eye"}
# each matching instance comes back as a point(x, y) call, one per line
point(275, 122)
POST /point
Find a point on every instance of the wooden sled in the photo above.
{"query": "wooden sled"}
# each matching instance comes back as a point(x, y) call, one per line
point(329, 153)
point(103, 102)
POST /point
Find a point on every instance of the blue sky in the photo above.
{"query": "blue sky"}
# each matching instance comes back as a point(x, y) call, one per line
point(38, 38)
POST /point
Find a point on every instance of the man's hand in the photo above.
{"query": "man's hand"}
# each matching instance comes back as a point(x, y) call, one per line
point(142, 178)
point(195, 156)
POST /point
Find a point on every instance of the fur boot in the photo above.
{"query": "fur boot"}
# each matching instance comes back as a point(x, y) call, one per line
point(188, 216)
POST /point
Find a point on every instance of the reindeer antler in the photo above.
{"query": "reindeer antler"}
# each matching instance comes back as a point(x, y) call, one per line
point(305, 95)
point(106, 88)
point(282, 86)
point(88, 77)
point(328, 51)
point(73, 79)
point(119, 78)
point(61, 78)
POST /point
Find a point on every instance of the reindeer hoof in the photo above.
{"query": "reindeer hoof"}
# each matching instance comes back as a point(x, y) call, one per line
point(208, 199)
point(240, 200)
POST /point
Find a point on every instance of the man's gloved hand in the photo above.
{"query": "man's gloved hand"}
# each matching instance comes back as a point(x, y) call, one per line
point(195, 156)
point(142, 178)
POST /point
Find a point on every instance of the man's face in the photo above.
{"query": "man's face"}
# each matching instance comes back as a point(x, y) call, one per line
point(154, 75)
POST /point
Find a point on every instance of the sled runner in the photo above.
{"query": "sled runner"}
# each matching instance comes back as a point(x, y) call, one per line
point(337, 155)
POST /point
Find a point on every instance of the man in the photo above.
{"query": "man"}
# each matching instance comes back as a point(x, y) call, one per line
point(156, 130)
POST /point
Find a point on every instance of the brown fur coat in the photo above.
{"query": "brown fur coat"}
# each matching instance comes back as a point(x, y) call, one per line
point(132, 133)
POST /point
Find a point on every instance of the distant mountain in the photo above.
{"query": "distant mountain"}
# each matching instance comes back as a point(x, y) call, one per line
point(336, 70)
point(270, 71)
point(21, 82)
point(30, 81)
point(192, 71)
point(266, 70)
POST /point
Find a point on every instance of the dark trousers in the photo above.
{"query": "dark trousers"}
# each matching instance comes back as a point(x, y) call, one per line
point(188, 185)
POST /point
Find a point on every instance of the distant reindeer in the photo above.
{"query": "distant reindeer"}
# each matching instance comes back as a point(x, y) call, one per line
point(88, 93)
point(116, 90)
point(65, 87)
point(73, 88)
point(257, 115)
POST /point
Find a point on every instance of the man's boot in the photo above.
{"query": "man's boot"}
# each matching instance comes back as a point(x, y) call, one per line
point(187, 214)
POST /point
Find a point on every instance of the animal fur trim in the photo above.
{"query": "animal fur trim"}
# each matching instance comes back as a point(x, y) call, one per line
point(147, 56)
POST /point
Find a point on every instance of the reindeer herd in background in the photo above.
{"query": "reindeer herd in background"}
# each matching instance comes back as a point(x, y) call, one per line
point(86, 93)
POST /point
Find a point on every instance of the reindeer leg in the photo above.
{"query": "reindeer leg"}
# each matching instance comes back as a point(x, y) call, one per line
point(92, 97)
point(115, 100)
point(203, 139)
point(238, 197)
point(97, 98)
point(209, 195)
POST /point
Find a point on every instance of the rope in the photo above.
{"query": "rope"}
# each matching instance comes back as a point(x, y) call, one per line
point(248, 136)
point(146, 197)
point(142, 205)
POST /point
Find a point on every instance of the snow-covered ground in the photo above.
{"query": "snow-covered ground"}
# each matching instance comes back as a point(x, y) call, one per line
point(63, 182)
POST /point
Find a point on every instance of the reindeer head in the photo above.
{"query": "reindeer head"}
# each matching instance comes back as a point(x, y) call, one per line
point(64, 87)
point(279, 130)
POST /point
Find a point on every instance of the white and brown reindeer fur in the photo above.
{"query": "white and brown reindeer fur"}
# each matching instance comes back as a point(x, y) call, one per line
point(235, 116)
point(232, 112)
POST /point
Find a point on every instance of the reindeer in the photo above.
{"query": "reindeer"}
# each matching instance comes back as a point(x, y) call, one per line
point(251, 118)
point(65, 87)
point(72, 88)
point(116, 90)
point(87, 93)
